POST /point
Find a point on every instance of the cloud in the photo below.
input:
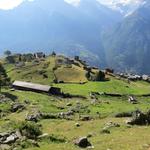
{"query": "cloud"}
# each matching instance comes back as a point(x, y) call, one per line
point(9, 4)
point(73, 2)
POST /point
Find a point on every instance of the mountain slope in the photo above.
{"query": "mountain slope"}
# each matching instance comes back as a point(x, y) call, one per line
point(56, 25)
point(130, 49)
point(125, 7)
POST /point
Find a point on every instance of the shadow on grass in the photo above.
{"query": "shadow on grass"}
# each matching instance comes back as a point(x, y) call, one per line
point(11, 96)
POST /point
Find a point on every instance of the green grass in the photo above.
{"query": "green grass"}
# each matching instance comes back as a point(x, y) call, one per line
point(33, 72)
point(72, 75)
point(43, 73)
point(120, 138)
point(112, 86)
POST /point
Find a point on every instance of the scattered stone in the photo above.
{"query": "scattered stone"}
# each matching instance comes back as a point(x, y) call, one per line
point(4, 99)
point(139, 118)
point(83, 142)
point(17, 106)
point(38, 116)
point(9, 138)
point(33, 117)
point(43, 136)
point(111, 124)
point(69, 104)
point(77, 125)
point(132, 100)
point(85, 118)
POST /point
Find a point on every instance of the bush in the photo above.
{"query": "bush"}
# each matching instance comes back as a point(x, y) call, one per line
point(30, 130)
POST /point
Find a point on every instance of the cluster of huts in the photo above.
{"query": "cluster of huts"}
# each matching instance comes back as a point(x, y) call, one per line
point(133, 77)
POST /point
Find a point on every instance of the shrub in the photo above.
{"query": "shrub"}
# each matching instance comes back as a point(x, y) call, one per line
point(30, 130)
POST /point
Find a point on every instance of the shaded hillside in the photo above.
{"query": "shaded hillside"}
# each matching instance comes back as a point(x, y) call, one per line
point(127, 45)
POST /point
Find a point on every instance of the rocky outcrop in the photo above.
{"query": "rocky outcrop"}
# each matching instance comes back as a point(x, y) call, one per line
point(39, 115)
point(140, 118)
point(9, 138)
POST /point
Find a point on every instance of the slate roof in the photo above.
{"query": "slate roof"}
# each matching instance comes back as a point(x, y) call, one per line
point(32, 86)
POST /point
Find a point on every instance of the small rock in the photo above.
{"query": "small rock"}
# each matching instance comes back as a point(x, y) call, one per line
point(85, 118)
point(17, 106)
point(43, 136)
point(77, 125)
point(132, 100)
point(69, 104)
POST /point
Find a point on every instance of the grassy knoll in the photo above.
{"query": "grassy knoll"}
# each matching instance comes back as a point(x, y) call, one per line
point(74, 74)
point(46, 70)
point(38, 72)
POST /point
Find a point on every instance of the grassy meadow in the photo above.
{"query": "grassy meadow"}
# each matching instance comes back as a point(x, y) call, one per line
point(102, 111)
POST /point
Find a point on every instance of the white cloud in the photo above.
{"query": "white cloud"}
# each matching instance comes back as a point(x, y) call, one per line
point(9, 4)
point(73, 2)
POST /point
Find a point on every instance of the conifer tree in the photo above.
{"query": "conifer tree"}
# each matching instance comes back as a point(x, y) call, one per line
point(4, 80)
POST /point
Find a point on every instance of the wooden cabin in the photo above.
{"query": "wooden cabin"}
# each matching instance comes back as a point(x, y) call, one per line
point(27, 86)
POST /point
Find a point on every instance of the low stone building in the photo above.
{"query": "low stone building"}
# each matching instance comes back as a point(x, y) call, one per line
point(27, 86)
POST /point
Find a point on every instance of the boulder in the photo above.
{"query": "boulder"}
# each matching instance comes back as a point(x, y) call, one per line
point(34, 117)
point(132, 100)
point(139, 118)
point(83, 142)
point(17, 106)
point(9, 138)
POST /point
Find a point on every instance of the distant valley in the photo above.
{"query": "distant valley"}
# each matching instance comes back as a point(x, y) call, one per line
point(102, 36)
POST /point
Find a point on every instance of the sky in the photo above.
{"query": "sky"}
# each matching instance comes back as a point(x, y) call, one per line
point(10, 4)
